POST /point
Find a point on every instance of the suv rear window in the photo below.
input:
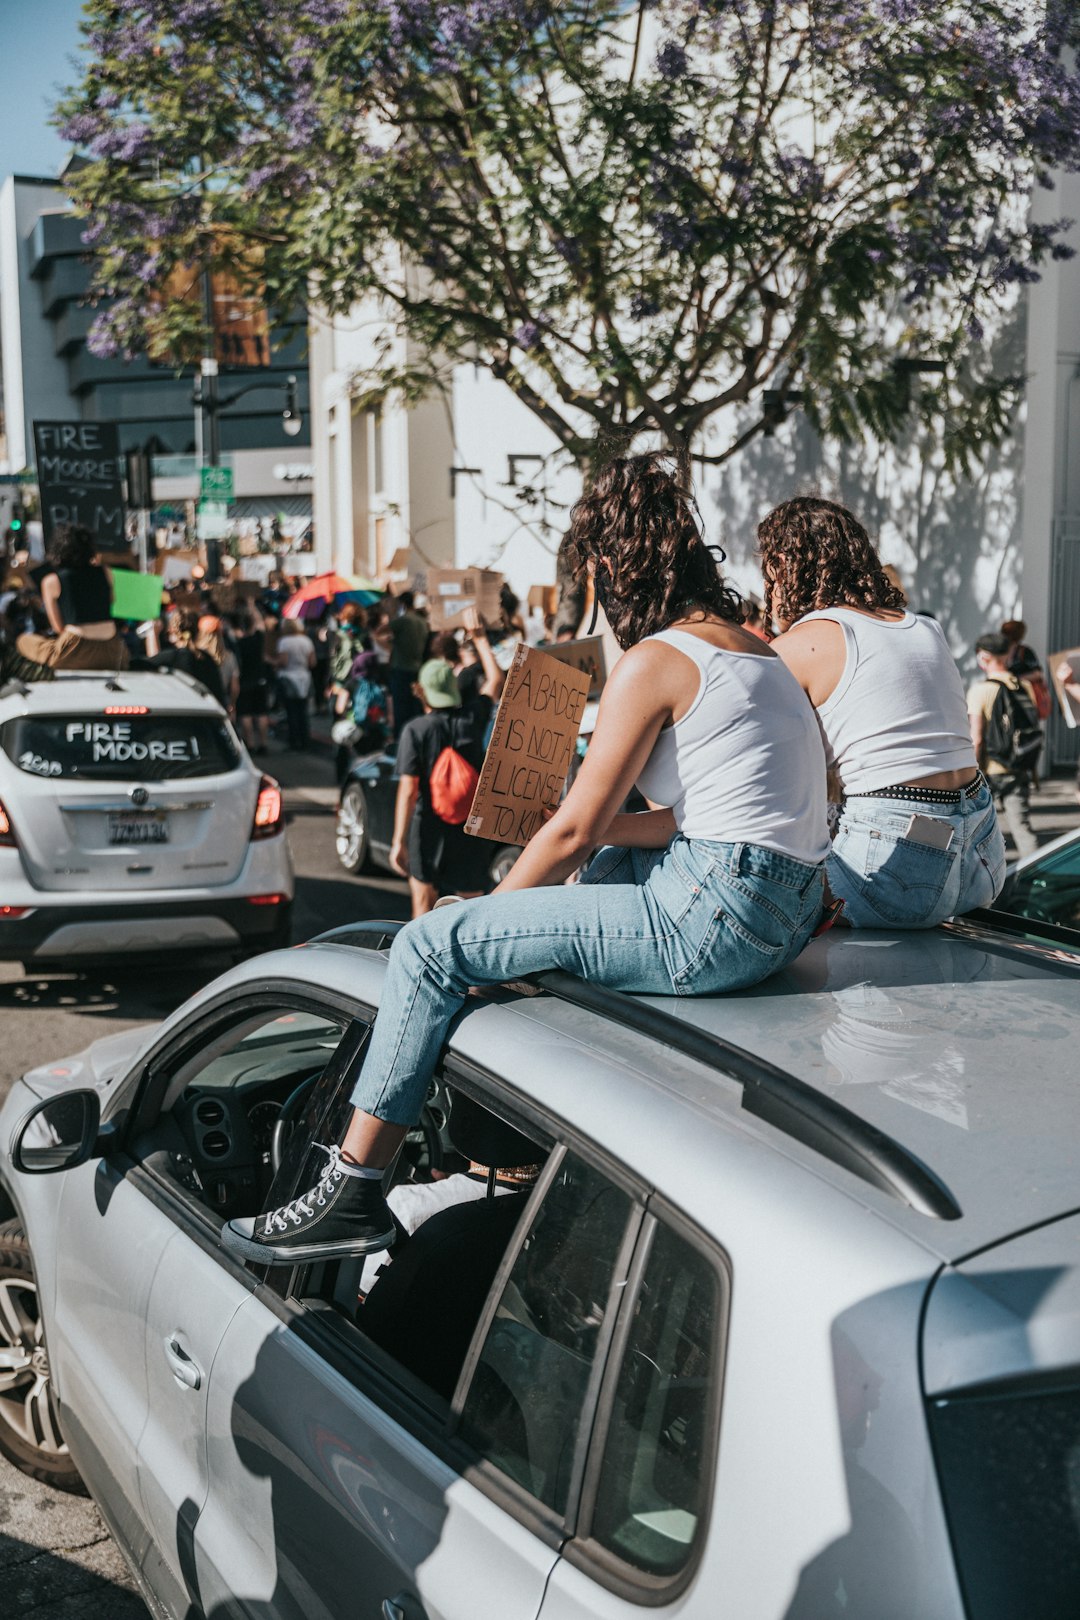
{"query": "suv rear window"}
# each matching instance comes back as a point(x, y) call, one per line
point(110, 748)
point(1010, 1470)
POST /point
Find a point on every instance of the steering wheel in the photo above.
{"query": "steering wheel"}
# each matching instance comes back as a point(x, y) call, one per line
point(286, 1120)
point(424, 1136)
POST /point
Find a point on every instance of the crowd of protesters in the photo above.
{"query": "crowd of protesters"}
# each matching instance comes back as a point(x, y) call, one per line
point(375, 671)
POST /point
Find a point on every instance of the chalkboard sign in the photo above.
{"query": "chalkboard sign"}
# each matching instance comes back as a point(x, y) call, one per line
point(79, 472)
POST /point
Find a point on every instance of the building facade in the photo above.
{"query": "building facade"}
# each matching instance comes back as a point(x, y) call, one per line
point(48, 373)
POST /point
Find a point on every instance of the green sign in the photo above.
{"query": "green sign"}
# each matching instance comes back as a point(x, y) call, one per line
point(216, 483)
point(136, 596)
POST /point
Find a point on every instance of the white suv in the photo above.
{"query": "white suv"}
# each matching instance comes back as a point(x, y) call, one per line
point(132, 821)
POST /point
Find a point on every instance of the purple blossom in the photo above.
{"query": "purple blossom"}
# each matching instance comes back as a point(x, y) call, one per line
point(528, 335)
point(101, 340)
point(81, 128)
point(675, 233)
point(123, 141)
point(642, 307)
point(671, 60)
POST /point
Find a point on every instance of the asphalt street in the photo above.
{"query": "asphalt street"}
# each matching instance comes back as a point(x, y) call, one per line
point(57, 1559)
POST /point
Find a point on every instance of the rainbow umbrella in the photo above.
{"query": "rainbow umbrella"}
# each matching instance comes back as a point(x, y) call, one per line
point(315, 595)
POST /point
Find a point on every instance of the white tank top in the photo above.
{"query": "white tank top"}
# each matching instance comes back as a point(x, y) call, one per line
point(745, 764)
point(898, 711)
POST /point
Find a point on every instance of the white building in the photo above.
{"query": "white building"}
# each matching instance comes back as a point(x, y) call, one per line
point(475, 478)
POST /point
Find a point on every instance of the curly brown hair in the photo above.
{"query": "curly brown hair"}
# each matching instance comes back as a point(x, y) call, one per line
point(816, 554)
point(637, 524)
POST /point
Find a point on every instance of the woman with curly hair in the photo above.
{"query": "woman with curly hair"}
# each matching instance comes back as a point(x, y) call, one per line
point(716, 887)
point(917, 839)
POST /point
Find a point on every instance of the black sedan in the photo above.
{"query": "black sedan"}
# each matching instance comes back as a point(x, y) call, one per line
point(365, 821)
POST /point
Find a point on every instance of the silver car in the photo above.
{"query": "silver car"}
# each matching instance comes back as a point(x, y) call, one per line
point(133, 821)
point(782, 1324)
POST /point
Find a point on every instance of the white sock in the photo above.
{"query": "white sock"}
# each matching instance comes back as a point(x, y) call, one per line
point(363, 1170)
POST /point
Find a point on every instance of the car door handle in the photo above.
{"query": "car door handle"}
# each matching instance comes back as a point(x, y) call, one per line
point(184, 1370)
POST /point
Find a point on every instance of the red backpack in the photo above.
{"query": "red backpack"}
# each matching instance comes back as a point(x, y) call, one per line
point(451, 786)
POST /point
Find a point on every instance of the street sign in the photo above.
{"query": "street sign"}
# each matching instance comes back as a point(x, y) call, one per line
point(216, 483)
point(213, 520)
point(78, 468)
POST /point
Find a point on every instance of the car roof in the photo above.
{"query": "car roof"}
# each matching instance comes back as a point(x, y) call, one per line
point(90, 692)
point(955, 1045)
point(958, 1043)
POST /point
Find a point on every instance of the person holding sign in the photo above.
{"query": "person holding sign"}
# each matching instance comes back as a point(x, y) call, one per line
point(77, 598)
point(718, 886)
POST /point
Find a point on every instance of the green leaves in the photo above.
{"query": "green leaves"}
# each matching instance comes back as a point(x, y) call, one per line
point(634, 215)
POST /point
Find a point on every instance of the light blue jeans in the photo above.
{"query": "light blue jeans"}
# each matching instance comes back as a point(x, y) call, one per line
point(689, 920)
point(886, 880)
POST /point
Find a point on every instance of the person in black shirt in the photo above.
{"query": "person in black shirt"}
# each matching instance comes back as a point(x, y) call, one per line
point(436, 856)
point(253, 694)
point(77, 597)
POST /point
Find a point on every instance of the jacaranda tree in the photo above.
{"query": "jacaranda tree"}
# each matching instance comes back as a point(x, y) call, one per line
point(635, 215)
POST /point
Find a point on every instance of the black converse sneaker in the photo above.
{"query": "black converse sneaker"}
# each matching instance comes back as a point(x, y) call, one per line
point(344, 1213)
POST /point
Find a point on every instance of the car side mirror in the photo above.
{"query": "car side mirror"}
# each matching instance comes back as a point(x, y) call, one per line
point(59, 1134)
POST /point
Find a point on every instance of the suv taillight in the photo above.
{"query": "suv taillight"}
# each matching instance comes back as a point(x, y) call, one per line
point(7, 831)
point(269, 810)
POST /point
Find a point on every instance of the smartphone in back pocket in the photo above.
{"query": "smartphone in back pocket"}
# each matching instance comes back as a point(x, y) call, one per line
point(929, 830)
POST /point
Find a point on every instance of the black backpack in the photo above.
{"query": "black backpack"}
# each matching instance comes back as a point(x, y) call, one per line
point(1013, 736)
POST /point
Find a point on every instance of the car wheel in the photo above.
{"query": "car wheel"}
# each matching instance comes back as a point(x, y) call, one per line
point(352, 829)
point(30, 1434)
point(502, 862)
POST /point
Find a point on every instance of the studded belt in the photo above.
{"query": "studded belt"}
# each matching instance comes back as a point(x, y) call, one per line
point(927, 795)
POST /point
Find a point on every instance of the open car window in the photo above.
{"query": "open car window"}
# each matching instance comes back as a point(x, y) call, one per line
point(222, 1101)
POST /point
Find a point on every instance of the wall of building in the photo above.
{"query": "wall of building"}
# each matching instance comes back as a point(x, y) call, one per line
point(49, 374)
point(1050, 545)
point(35, 376)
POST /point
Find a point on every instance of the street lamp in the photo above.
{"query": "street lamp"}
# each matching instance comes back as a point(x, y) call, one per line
point(205, 399)
point(291, 420)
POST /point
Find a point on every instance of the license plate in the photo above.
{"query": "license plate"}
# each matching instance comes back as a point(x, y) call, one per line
point(135, 829)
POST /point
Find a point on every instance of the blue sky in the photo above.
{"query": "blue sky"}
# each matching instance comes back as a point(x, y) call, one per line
point(38, 42)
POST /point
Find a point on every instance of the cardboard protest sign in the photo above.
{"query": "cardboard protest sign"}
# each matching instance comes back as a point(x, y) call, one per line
point(1070, 706)
point(451, 590)
point(531, 747)
point(586, 655)
point(136, 596)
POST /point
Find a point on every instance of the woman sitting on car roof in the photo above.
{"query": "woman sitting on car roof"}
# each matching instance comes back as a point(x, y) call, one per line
point(917, 839)
point(77, 597)
point(714, 889)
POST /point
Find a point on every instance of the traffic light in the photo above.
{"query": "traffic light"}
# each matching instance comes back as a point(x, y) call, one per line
point(16, 529)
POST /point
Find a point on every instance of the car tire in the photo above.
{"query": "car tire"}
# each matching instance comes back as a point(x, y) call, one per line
point(351, 832)
point(30, 1435)
point(501, 862)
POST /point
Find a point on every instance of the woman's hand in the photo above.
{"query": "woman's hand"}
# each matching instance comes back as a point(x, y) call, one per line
point(399, 859)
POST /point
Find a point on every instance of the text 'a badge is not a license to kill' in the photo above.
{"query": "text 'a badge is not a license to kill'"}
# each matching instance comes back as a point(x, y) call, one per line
point(531, 747)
